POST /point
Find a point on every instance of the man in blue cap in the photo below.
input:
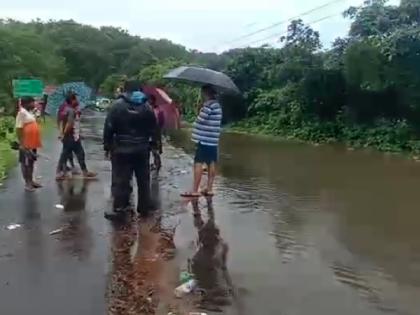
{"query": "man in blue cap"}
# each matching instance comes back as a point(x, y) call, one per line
point(129, 126)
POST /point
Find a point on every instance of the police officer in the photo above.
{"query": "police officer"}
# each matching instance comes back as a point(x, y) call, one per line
point(129, 126)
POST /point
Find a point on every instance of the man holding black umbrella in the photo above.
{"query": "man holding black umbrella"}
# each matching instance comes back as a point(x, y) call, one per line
point(206, 134)
point(207, 127)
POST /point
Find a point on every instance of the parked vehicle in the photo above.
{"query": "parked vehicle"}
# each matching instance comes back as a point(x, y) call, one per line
point(102, 103)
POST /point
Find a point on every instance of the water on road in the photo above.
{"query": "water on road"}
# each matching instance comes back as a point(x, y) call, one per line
point(318, 230)
point(304, 230)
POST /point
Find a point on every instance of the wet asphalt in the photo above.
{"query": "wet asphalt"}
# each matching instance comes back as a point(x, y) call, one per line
point(300, 230)
point(64, 273)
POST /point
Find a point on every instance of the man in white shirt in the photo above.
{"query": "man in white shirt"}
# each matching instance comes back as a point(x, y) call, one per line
point(28, 136)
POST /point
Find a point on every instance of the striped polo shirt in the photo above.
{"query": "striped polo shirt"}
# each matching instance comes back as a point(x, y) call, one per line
point(207, 126)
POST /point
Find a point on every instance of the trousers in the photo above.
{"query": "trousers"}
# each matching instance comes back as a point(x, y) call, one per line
point(114, 176)
point(71, 146)
point(125, 165)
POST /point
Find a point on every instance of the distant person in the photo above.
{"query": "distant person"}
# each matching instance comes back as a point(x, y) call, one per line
point(129, 126)
point(206, 134)
point(29, 137)
point(44, 103)
point(72, 142)
point(61, 115)
point(160, 118)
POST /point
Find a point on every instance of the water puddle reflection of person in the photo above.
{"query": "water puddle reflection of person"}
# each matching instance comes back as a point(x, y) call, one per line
point(209, 263)
point(76, 235)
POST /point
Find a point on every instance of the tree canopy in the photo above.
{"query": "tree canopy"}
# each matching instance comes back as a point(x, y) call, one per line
point(367, 85)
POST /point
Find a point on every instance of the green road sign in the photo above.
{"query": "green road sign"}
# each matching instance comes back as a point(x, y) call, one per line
point(23, 88)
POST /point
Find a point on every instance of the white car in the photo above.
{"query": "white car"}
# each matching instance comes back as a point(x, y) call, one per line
point(103, 103)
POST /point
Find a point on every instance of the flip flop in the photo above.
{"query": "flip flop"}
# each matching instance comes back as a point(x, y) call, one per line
point(36, 185)
point(190, 195)
point(60, 178)
point(29, 189)
point(90, 175)
point(206, 193)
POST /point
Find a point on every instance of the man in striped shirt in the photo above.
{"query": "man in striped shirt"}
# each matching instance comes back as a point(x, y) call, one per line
point(206, 134)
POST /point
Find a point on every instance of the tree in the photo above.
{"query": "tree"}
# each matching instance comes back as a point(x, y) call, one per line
point(112, 83)
point(301, 36)
point(25, 54)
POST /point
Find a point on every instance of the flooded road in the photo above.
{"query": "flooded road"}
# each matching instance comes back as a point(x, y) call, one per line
point(318, 230)
point(293, 229)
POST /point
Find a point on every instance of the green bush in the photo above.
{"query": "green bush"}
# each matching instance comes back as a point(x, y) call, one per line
point(7, 156)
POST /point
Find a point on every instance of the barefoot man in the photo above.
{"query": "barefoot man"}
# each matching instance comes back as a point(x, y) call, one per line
point(206, 134)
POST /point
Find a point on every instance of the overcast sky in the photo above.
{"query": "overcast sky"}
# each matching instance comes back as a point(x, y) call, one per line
point(206, 25)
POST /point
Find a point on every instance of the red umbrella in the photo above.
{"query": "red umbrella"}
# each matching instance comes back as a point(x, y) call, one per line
point(168, 106)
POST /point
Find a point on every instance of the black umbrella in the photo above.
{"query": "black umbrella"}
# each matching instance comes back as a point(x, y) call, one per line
point(203, 76)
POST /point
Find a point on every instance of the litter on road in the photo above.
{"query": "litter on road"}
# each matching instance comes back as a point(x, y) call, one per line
point(185, 288)
point(13, 226)
point(57, 231)
point(58, 206)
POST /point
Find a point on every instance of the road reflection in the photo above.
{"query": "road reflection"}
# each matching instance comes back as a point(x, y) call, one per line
point(121, 289)
point(33, 235)
point(75, 233)
point(209, 263)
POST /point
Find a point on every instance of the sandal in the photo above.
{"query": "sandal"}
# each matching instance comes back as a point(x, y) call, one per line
point(75, 172)
point(60, 177)
point(207, 193)
point(190, 195)
point(29, 188)
point(36, 185)
point(89, 175)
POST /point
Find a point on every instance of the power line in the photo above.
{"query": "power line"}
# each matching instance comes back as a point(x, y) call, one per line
point(284, 21)
point(285, 32)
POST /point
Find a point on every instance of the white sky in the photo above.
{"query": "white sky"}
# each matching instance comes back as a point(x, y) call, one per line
point(197, 24)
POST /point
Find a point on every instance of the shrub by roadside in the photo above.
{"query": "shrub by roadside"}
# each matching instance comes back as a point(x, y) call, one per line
point(7, 155)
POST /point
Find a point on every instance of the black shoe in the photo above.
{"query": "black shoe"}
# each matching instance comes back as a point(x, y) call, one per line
point(143, 214)
point(146, 212)
point(113, 215)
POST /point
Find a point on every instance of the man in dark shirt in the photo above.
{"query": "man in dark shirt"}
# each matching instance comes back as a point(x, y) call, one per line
point(71, 141)
point(129, 126)
point(160, 119)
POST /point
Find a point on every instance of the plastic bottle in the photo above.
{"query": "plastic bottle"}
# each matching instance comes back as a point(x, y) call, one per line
point(185, 276)
point(185, 288)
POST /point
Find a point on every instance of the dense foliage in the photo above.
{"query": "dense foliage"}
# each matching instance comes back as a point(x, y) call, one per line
point(7, 156)
point(364, 91)
point(60, 51)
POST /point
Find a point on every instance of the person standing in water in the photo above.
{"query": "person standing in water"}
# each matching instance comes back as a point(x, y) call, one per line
point(160, 118)
point(72, 142)
point(29, 137)
point(129, 127)
point(206, 134)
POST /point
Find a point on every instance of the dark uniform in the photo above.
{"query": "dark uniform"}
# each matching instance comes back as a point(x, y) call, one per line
point(128, 129)
point(109, 149)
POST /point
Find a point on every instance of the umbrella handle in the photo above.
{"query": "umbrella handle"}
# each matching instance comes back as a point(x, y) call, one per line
point(197, 104)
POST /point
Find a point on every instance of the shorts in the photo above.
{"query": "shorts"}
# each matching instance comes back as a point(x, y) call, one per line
point(27, 156)
point(206, 154)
